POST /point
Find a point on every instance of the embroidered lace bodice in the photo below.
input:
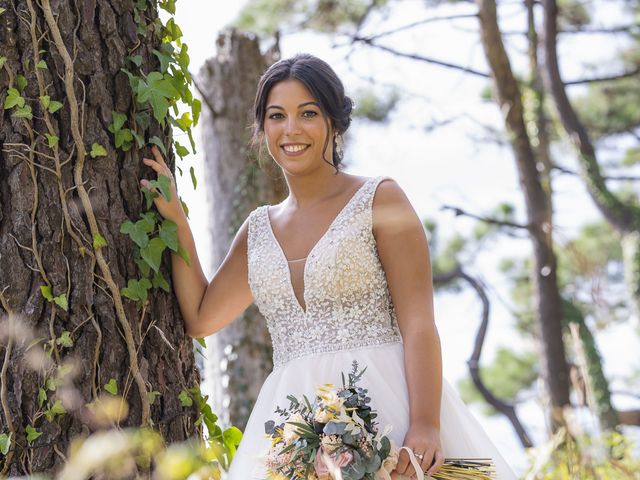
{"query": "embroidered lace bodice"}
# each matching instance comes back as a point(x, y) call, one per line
point(346, 296)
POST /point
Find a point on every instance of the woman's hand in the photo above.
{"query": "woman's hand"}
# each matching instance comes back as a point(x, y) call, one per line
point(423, 439)
point(172, 209)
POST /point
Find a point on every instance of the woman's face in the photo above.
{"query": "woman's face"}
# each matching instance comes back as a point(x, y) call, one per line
point(295, 128)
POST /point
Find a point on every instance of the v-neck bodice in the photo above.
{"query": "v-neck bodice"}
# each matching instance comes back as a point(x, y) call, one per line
point(346, 295)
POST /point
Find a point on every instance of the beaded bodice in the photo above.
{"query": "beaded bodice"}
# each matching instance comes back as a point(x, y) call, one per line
point(346, 295)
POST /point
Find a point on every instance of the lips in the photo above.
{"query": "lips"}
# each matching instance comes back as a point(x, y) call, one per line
point(294, 149)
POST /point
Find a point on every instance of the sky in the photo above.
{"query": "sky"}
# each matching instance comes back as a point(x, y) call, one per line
point(436, 168)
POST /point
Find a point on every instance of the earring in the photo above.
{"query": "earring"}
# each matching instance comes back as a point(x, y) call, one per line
point(339, 143)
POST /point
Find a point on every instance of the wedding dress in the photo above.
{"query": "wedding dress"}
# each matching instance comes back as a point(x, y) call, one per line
point(348, 315)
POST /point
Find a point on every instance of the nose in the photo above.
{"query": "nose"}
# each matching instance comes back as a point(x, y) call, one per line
point(292, 126)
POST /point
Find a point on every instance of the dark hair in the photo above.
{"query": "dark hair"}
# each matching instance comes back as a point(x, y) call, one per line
point(324, 85)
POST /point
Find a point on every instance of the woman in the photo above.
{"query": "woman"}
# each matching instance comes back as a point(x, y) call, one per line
point(340, 270)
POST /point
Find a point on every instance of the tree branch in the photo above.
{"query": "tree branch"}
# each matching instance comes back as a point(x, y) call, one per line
point(493, 221)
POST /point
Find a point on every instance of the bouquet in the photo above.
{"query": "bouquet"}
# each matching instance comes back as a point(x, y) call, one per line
point(337, 438)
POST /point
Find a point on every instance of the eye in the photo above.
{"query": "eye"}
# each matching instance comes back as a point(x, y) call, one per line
point(309, 113)
point(275, 116)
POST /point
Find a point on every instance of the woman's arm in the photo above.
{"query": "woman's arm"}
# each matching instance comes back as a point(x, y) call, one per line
point(205, 306)
point(404, 254)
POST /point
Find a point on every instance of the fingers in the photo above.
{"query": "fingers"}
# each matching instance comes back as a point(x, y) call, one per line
point(158, 156)
point(427, 459)
point(403, 462)
point(438, 462)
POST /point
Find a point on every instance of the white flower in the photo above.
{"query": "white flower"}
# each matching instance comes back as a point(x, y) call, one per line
point(290, 432)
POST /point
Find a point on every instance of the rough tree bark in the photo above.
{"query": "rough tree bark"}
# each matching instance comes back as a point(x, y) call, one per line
point(623, 215)
point(547, 297)
point(239, 356)
point(54, 201)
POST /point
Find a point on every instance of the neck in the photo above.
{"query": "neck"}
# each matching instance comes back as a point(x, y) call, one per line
point(306, 190)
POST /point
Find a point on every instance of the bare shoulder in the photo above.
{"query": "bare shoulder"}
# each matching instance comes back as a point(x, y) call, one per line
point(392, 210)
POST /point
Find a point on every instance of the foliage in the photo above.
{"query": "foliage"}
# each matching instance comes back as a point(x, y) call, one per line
point(375, 106)
point(506, 376)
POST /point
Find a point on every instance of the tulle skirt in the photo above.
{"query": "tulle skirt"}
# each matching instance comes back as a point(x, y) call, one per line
point(461, 434)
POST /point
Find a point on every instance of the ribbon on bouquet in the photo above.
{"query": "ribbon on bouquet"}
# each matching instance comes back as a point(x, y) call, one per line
point(420, 475)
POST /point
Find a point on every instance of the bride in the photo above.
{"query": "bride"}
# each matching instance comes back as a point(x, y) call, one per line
point(340, 270)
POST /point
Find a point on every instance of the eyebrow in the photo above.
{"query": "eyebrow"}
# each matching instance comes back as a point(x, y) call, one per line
point(299, 106)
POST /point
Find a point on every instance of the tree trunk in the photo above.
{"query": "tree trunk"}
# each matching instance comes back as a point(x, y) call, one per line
point(63, 259)
point(548, 306)
point(623, 216)
point(239, 357)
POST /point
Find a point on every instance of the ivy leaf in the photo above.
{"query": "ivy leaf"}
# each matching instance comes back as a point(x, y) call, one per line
point(173, 30)
point(143, 119)
point(139, 139)
point(165, 59)
point(136, 231)
point(159, 281)
point(56, 409)
point(152, 396)
point(99, 241)
point(156, 141)
point(47, 292)
point(169, 233)
point(185, 208)
point(194, 180)
point(23, 112)
point(111, 387)
point(42, 64)
point(52, 139)
point(13, 98)
point(97, 150)
point(50, 384)
point(185, 122)
point(61, 301)
point(169, 6)
point(185, 398)
point(117, 121)
point(32, 433)
point(202, 342)
point(65, 339)
point(135, 59)
point(2, 61)
point(152, 253)
point(196, 108)
point(181, 150)
point(45, 100)
point(184, 254)
point(54, 106)
point(5, 440)
point(136, 290)
point(42, 396)
point(156, 89)
point(123, 139)
point(21, 82)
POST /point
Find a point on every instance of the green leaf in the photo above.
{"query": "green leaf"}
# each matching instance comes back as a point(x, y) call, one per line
point(50, 384)
point(117, 121)
point(47, 292)
point(41, 64)
point(97, 150)
point(45, 100)
point(135, 59)
point(42, 396)
point(181, 151)
point(169, 233)
point(152, 253)
point(54, 106)
point(156, 141)
point(23, 112)
point(111, 387)
point(165, 59)
point(99, 241)
point(2, 10)
point(184, 254)
point(13, 98)
point(173, 31)
point(159, 281)
point(202, 342)
point(196, 107)
point(136, 290)
point(52, 139)
point(232, 436)
point(61, 301)
point(164, 185)
point(143, 119)
point(123, 139)
point(32, 433)
point(5, 440)
point(65, 339)
point(139, 139)
point(169, 6)
point(155, 90)
point(194, 180)
point(185, 399)
point(56, 409)
point(2, 61)
point(152, 396)
point(185, 208)
point(185, 122)
point(21, 82)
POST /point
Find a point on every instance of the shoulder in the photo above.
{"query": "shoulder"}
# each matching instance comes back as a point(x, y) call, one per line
point(391, 208)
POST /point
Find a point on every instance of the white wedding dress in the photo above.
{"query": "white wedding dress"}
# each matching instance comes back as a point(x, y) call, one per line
point(349, 316)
